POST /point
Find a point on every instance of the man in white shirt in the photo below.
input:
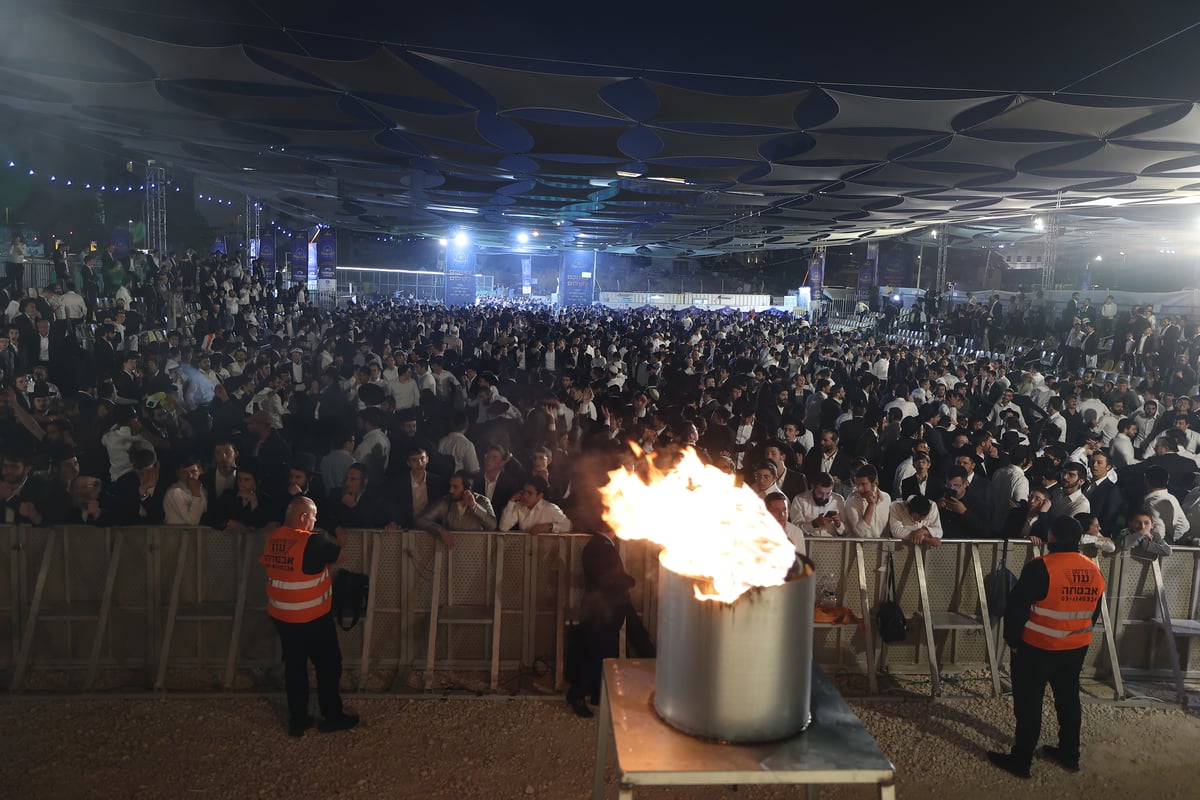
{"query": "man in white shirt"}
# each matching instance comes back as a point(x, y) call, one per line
point(1006, 404)
point(531, 512)
point(456, 445)
point(916, 521)
point(1169, 520)
point(1070, 500)
point(868, 509)
point(405, 390)
point(777, 507)
point(374, 449)
point(1121, 450)
point(186, 501)
point(819, 511)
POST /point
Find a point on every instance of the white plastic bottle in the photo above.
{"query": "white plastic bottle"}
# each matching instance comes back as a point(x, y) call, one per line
point(827, 592)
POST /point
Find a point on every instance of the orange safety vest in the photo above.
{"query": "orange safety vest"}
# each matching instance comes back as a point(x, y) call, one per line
point(293, 596)
point(1063, 619)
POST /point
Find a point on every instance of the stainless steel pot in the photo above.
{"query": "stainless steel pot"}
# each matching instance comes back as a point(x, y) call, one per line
point(737, 672)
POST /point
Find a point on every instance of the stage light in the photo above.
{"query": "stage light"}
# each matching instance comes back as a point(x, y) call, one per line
point(12, 163)
point(461, 239)
point(522, 237)
point(536, 234)
point(30, 172)
point(1039, 224)
point(442, 242)
point(1099, 258)
point(933, 234)
point(53, 178)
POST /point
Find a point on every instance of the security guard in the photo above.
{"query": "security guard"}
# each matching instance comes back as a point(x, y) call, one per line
point(1048, 624)
point(299, 601)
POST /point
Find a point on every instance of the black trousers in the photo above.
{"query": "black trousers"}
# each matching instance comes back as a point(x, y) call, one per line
point(599, 637)
point(317, 642)
point(1032, 669)
point(14, 274)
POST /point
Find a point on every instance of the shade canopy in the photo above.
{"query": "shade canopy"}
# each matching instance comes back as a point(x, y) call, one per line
point(342, 119)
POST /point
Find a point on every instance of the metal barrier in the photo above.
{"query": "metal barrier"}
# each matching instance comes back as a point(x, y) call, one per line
point(179, 607)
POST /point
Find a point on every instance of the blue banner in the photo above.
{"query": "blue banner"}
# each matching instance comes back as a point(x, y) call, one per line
point(816, 275)
point(526, 275)
point(219, 246)
point(299, 265)
point(327, 255)
point(576, 278)
point(895, 264)
point(266, 251)
point(868, 274)
point(460, 274)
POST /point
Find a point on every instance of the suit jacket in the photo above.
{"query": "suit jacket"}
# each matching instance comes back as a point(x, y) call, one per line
point(399, 500)
point(33, 491)
point(911, 486)
point(128, 506)
point(510, 481)
point(839, 470)
point(1106, 501)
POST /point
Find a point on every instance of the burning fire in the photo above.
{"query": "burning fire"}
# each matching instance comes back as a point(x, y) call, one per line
point(710, 528)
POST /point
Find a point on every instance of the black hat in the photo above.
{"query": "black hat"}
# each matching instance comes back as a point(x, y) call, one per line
point(371, 394)
point(304, 462)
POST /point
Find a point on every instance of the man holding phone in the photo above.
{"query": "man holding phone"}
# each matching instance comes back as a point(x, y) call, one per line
point(962, 513)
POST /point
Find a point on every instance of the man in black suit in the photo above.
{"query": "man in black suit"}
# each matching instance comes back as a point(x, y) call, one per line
point(501, 477)
point(272, 452)
point(964, 516)
point(138, 494)
point(411, 491)
point(104, 352)
point(920, 484)
point(22, 494)
point(828, 457)
point(606, 606)
point(1104, 496)
point(790, 482)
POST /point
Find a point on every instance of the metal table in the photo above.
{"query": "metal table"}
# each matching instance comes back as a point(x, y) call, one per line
point(836, 748)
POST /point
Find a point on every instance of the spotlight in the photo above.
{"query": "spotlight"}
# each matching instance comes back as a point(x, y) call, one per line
point(442, 242)
point(535, 234)
point(522, 237)
point(1039, 224)
point(461, 239)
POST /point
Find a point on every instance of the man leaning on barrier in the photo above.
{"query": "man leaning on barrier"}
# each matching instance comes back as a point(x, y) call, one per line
point(299, 601)
point(460, 509)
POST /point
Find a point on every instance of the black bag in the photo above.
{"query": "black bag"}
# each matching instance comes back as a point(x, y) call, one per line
point(893, 625)
point(998, 585)
point(350, 593)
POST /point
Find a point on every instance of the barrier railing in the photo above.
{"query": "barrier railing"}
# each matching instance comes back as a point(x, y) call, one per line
point(180, 607)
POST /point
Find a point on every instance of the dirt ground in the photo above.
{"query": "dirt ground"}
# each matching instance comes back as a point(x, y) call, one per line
point(235, 746)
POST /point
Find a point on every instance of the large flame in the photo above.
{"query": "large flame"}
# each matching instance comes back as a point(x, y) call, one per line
point(710, 528)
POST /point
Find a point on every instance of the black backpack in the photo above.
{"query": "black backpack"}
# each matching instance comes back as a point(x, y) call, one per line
point(351, 591)
point(998, 584)
point(893, 625)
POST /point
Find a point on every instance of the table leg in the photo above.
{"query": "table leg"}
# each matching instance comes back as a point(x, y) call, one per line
point(887, 791)
point(625, 792)
point(812, 791)
point(602, 733)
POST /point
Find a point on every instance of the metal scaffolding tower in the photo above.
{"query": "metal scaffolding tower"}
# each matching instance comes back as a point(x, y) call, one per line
point(1050, 256)
point(253, 220)
point(943, 240)
point(156, 207)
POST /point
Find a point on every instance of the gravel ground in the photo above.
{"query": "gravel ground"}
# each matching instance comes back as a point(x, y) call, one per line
point(234, 746)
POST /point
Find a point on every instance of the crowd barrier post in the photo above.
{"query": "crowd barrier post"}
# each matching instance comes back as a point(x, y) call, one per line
point(933, 620)
point(372, 559)
point(35, 608)
point(110, 584)
point(239, 610)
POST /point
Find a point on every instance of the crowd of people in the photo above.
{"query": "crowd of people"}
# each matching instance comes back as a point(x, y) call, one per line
point(221, 398)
